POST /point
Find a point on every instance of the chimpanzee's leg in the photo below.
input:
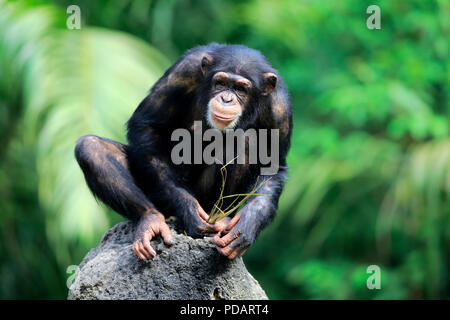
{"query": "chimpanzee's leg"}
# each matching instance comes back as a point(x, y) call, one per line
point(105, 167)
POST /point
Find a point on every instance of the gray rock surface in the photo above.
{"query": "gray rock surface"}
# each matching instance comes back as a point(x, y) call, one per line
point(190, 269)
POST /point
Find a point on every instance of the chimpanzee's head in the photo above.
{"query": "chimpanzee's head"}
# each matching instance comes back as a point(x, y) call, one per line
point(237, 80)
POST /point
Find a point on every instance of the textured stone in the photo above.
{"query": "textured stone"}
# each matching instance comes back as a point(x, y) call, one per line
point(190, 269)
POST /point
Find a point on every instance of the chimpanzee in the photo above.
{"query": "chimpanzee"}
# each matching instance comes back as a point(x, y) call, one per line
point(222, 87)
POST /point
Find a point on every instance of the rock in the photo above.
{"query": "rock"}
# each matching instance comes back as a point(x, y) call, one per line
point(190, 269)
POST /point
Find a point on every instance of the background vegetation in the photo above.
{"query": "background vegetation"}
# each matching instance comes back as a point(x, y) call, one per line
point(370, 158)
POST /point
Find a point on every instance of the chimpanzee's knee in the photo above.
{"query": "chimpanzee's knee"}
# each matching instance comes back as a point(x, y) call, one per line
point(86, 149)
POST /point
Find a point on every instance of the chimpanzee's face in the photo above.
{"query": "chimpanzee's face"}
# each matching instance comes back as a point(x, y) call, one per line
point(230, 94)
point(229, 97)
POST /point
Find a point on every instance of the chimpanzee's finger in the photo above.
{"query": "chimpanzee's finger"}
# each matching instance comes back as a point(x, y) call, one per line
point(233, 221)
point(223, 223)
point(137, 251)
point(231, 252)
point(166, 234)
point(142, 250)
point(227, 239)
point(234, 254)
point(226, 251)
point(151, 253)
point(236, 249)
point(209, 228)
point(146, 249)
point(218, 241)
point(202, 214)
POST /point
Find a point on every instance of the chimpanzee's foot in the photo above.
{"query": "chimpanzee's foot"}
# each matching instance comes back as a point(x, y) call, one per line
point(149, 226)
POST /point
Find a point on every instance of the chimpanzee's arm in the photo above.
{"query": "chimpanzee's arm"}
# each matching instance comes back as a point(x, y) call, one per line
point(259, 211)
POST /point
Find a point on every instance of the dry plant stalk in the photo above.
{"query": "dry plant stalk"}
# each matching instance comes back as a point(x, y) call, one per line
point(218, 212)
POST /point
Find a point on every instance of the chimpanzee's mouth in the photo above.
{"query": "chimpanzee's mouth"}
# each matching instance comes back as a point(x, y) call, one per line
point(221, 117)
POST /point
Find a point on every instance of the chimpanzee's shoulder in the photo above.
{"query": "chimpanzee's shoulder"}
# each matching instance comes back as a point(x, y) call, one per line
point(281, 109)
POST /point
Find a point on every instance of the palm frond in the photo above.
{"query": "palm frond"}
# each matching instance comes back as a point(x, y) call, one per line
point(74, 82)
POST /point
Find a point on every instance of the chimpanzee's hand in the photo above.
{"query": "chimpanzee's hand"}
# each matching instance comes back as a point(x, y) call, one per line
point(240, 234)
point(150, 225)
point(196, 223)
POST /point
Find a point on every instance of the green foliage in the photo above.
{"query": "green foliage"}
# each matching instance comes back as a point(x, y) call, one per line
point(370, 158)
point(72, 86)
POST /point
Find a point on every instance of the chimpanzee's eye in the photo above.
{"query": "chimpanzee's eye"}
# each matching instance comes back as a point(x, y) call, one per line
point(240, 89)
point(220, 84)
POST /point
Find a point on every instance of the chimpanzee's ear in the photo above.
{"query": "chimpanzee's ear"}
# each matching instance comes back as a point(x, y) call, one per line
point(207, 61)
point(269, 83)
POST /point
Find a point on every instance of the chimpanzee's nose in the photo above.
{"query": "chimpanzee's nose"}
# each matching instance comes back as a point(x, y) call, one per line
point(226, 98)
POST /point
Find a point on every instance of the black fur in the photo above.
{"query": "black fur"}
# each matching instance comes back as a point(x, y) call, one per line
point(140, 177)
